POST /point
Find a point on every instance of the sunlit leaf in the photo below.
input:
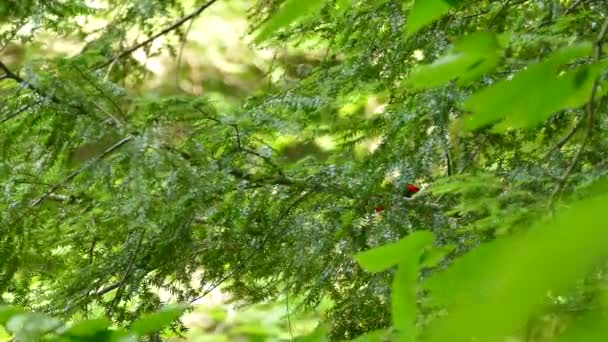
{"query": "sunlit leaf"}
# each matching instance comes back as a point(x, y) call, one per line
point(381, 258)
point(88, 327)
point(471, 58)
point(492, 291)
point(6, 312)
point(434, 256)
point(289, 12)
point(157, 320)
point(32, 324)
point(425, 12)
point(535, 93)
point(592, 326)
point(403, 298)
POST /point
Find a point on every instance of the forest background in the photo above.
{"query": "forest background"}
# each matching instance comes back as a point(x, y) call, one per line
point(238, 170)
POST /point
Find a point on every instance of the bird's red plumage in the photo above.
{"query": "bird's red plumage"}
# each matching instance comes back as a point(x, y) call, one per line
point(412, 188)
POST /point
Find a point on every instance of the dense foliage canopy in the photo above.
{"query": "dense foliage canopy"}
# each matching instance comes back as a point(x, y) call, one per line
point(119, 185)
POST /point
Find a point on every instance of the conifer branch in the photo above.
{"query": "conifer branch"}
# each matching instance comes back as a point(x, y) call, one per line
point(73, 175)
point(243, 262)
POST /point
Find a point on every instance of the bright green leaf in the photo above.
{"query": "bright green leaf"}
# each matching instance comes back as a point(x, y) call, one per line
point(404, 305)
point(592, 326)
point(374, 336)
point(471, 58)
point(434, 256)
point(288, 13)
point(425, 12)
point(381, 258)
point(32, 324)
point(533, 94)
point(6, 312)
point(492, 291)
point(156, 321)
point(88, 327)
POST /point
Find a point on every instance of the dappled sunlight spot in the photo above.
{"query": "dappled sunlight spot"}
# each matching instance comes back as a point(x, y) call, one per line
point(374, 106)
point(418, 55)
point(96, 4)
point(190, 87)
point(26, 29)
point(154, 65)
point(326, 142)
point(62, 46)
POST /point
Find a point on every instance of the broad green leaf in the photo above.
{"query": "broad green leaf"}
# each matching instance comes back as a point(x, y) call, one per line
point(593, 326)
point(6, 312)
point(533, 94)
point(434, 256)
point(492, 291)
point(88, 327)
point(288, 13)
point(374, 336)
point(32, 324)
point(425, 12)
point(471, 58)
point(403, 298)
point(155, 321)
point(121, 335)
point(383, 257)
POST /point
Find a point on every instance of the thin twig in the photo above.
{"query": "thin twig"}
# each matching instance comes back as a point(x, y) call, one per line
point(20, 110)
point(103, 93)
point(573, 6)
point(9, 74)
point(240, 146)
point(122, 283)
point(565, 139)
point(163, 32)
point(288, 314)
point(590, 109)
point(181, 52)
point(552, 20)
point(243, 262)
point(73, 175)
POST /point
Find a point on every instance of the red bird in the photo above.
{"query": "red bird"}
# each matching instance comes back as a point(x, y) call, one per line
point(410, 190)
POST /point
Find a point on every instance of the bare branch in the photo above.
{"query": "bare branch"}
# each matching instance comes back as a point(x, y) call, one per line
point(565, 139)
point(163, 32)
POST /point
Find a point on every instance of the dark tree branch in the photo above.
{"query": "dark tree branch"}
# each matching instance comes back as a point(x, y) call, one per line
point(573, 6)
point(20, 110)
point(9, 74)
point(163, 32)
point(590, 113)
point(565, 139)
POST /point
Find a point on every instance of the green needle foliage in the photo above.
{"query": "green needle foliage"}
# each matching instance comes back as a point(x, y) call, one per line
point(495, 109)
